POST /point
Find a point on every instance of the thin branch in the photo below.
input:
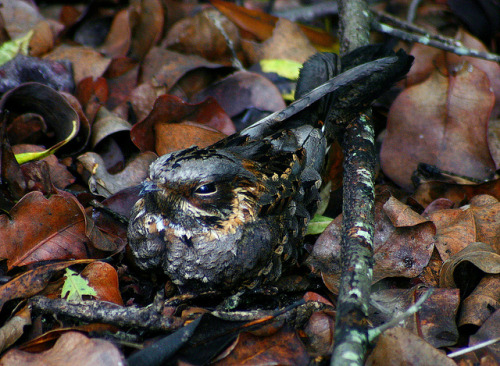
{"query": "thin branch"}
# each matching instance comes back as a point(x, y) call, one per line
point(458, 48)
point(473, 348)
point(351, 325)
point(148, 318)
point(412, 10)
point(375, 332)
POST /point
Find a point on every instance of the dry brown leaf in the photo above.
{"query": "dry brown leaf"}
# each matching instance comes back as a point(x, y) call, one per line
point(481, 255)
point(402, 247)
point(72, 348)
point(261, 24)
point(13, 328)
point(488, 331)
point(482, 302)
point(40, 228)
point(199, 35)
point(399, 346)
point(287, 42)
point(477, 222)
point(32, 282)
point(106, 184)
point(443, 122)
point(172, 110)
point(252, 90)
point(86, 61)
point(177, 136)
point(434, 322)
point(59, 174)
point(103, 279)
point(283, 347)
point(107, 123)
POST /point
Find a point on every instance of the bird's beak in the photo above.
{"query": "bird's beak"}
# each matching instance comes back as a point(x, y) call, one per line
point(147, 187)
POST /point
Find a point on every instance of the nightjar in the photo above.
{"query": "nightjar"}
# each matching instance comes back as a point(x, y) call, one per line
point(232, 214)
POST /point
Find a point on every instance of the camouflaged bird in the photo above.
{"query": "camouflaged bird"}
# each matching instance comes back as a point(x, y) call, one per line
point(232, 214)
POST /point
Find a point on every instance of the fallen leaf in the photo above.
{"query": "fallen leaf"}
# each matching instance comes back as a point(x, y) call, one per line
point(435, 320)
point(102, 277)
point(443, 122)
point(32, 282)
point(399, 346)
point(85, 61)
point(39, 228)
point(284, 347)
point(103, 183)
point(482, 302)
point(75, 287)
point(477, 222)
point(403, 243)
point(177, 136)
point(253, 91)
point(72, 348)
point(169, 110)
point(287, 42)
point(479, 254)
point(261, 24)
point(201, 35)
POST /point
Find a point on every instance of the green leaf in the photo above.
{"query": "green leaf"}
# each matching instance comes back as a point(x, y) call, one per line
point(31, 156)
point(9, 49)
point(75, 287)
point(285, 68)
point(318, 224)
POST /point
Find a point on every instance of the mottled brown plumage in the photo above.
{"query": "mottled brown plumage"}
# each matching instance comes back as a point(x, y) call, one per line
point(232, 214)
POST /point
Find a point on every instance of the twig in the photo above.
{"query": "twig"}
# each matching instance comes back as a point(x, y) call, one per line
point(310, 12)
point(375, 332)
point(351, 329)
point(216, 19)
point(412, 10)
point(458, 49)
point(382, 17)
point(472, 348)
point(147, 318)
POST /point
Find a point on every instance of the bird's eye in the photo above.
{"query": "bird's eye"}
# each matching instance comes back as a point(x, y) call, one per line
point(206, 189)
